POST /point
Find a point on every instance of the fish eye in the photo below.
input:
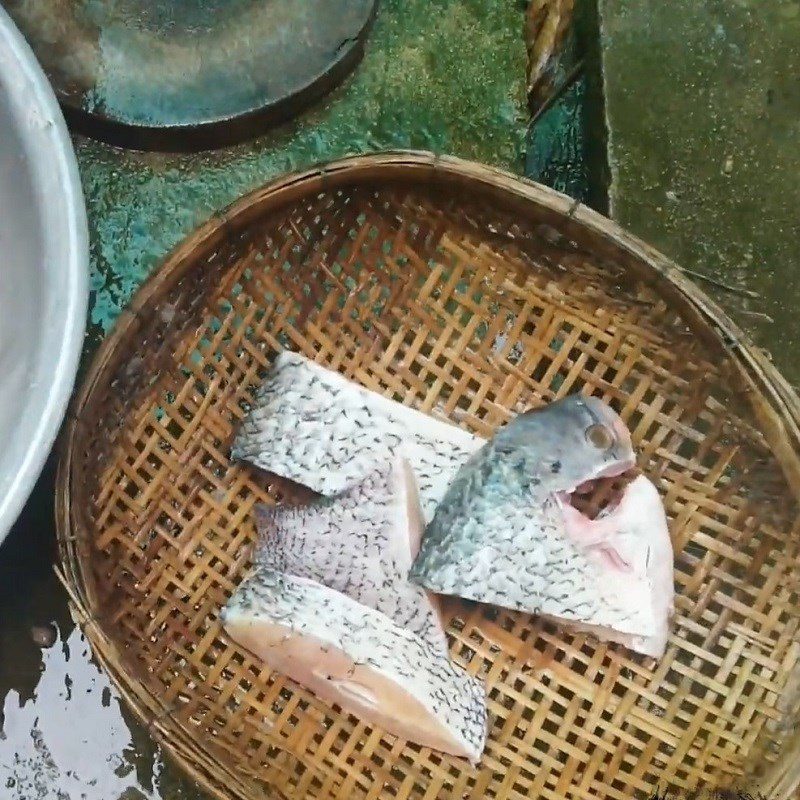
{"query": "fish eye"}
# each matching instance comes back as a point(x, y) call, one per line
point(599, 436)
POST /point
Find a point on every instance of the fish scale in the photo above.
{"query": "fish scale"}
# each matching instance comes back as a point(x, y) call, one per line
point(499, 528)
point(313, 426)
point(355, 656)
point(360, 543)
point(527, 564)
point(504, 534)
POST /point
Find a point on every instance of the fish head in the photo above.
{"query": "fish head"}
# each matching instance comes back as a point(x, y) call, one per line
point(570, 442)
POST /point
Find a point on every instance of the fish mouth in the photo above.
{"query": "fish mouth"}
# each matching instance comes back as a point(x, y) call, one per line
point(602, 493)
point(593, 514)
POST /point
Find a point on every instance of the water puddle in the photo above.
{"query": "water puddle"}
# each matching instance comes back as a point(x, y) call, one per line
point(64, 731)
point(68, 740)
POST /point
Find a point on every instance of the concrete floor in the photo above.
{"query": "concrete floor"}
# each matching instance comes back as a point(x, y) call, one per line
point(703, 110)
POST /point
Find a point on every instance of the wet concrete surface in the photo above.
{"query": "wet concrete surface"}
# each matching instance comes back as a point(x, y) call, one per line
point(64, 732)
point(703, 109)
point(446, 75)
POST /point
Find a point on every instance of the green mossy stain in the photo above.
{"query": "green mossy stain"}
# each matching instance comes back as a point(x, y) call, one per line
point(564, 140)
point(556, 154)
point(444, 75)
point(703, 106)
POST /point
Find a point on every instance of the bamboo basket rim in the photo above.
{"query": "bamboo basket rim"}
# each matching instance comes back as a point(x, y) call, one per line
point(775, 402)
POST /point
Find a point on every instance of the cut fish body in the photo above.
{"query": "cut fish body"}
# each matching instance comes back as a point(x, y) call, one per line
point(315, 427)
point(505, 532)
point(501, 528)
point(360, 543)
point(358, 658)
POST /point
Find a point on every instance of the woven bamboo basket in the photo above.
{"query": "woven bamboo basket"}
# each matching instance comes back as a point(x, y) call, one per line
point(469, 294)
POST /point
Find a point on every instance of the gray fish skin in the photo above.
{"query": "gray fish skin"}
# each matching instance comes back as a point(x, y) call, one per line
point(315, 427)
point(356, 657)
point(360, 543)
point(499, 535)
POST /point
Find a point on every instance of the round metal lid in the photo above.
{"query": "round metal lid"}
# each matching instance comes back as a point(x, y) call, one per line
point(191, 74)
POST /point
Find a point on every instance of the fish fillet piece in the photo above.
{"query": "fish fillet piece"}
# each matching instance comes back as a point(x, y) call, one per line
point(315, 427)
point(506, 531)
point(361, 543)
point(359, 659)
